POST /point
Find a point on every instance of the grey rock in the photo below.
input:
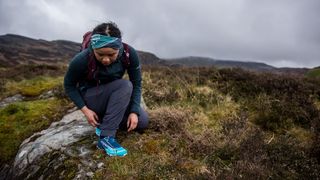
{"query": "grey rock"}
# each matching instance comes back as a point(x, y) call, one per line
point(10, 100)
point(100, 165)
point(72, 128)
point(90, 174)
point(46, 95)
point(65, 149)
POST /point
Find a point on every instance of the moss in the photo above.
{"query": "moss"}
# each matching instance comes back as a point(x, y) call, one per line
point(32, 87)
point(150, 156)
point(71, 165)
point(313, 73)
point(20, 120)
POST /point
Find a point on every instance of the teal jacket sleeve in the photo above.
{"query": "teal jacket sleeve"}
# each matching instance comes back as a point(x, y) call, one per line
point(134, 72)
point(76, 71)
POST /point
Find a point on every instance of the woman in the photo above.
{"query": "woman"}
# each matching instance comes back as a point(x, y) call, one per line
point(94, 83)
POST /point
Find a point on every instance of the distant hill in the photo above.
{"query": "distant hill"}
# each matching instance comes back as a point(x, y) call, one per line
point(193, 61)
point(16, 49)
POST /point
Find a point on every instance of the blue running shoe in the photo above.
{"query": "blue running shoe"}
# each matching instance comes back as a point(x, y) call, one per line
point(111, 146)
point(98, 132)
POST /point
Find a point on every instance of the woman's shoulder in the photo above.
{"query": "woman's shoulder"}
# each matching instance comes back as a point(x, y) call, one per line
point(80, 59)
point(82, 55)
point(131, 49)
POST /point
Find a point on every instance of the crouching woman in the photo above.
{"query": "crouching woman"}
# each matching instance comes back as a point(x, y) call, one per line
point(94, 83)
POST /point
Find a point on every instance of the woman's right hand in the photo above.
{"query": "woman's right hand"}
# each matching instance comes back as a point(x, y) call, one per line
point(91, 116)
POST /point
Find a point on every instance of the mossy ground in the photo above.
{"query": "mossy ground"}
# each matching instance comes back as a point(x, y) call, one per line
point(20, 120)
point(31, 87)
point(314, 73)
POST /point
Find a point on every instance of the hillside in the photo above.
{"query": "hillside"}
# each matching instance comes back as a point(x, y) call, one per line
point(193, 61)
point(19, 50)
point(204, 123)
point(15, 50)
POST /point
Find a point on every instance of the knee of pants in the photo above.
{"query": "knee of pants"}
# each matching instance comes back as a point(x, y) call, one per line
point(125, 85)
point(143, 121)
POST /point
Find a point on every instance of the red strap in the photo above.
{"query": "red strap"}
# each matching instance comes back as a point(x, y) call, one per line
point(86, 40)
point(91, 66)
point(127, 54)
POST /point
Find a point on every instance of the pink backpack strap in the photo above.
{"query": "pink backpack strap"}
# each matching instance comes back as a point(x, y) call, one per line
point(126, 61)
point(86, 40)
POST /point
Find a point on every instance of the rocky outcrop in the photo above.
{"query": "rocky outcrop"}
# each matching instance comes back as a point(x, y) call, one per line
point(47, 150)
point(10, 100)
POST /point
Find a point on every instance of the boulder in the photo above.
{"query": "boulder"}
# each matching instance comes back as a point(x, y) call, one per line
point(48, 149)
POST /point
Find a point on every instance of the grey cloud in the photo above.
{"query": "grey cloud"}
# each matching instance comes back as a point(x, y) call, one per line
point(277, 32)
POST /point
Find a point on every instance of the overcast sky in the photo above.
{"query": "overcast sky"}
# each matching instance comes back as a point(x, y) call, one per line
point(277, 32)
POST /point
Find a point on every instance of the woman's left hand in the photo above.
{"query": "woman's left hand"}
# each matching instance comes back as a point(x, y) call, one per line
point(132, 121)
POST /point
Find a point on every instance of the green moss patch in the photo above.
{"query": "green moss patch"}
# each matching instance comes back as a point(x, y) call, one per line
point(313, 73)
point(20, 120)
point(32, 87)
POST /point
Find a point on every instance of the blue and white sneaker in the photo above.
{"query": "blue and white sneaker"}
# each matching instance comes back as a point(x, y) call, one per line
point(111, 146)
point(98, 132)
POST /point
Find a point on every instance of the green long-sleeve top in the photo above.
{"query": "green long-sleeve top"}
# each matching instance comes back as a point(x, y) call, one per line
point(76, 82)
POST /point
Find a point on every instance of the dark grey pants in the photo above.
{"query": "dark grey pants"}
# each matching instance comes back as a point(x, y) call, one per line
point(110, 102)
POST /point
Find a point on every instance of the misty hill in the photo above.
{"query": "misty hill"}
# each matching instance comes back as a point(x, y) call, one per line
point(193, 61)
point(16, 49)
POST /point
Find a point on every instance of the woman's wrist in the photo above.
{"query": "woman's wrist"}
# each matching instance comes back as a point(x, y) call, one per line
point(84, 109)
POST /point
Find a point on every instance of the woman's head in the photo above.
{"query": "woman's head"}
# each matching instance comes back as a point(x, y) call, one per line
point(108, 29)
point(106, 42)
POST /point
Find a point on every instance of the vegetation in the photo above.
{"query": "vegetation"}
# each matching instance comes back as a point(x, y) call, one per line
point(32, 87)
point(205, 123)
point(228, 123)
point(314, 73)
point(20, 120)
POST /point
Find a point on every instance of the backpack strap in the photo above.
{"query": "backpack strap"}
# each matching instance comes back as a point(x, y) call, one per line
point(92, 66)
point(86, 40)
point(126, 61)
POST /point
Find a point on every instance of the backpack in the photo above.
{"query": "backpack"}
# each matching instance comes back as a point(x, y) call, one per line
point(92, 67)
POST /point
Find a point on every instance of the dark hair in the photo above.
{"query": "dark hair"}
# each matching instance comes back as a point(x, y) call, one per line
point(108, 29)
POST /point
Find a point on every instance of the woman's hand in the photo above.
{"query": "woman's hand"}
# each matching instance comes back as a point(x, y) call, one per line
point(91, 116)
point(132, 121)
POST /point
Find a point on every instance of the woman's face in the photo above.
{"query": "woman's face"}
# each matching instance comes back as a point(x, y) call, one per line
point(106, 55)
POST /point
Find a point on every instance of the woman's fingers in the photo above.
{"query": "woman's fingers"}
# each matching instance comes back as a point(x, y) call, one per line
point(93, 119)
point(96, 119)
point(133, 125)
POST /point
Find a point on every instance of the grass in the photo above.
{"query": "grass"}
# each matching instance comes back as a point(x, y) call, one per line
point(313, 73)
point(32, 87)
point(207, 123)
point(20, 120)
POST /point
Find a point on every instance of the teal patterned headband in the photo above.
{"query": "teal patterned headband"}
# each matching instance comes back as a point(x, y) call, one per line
point(99, 41)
